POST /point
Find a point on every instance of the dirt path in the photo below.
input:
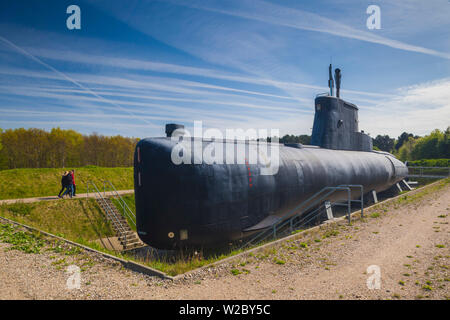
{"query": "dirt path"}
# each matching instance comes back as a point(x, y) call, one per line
point(80, 195)
point(407, 240)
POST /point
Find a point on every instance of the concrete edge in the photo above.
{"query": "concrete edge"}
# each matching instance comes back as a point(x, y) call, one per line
point(299, 234)
point(134, 266)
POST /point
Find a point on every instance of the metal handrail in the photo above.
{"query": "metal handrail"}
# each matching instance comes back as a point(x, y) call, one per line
point(361, 200)
point(291, 224)
point(292, 212)
point(417, 172)
point(121, 229)
point(315, 199)
point(309, 207)
point(126, 210)
point(420, 167)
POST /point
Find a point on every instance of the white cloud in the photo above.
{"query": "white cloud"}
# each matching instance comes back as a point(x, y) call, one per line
point(145, 65)
point(418, 109)
point(298, 19)
point(251, 44)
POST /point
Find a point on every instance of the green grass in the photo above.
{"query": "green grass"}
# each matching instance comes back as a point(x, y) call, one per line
point(278, 261)
point(430, 163)
point(27, 183)
point(71, 219)
point(129, 201)
point(427, 287)
point(235, 272)
point(375, 215)
point(20, 240)
point(331, 233)
point(182, 264)
point(303, 245)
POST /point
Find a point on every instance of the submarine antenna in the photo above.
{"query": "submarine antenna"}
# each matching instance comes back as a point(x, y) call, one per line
point(337, 77)
point(330, 80)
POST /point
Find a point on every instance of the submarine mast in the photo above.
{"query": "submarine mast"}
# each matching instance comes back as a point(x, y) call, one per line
point(336, 121)
point(330, 79)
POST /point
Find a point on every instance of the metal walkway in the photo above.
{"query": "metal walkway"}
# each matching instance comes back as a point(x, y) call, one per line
point(301, 215)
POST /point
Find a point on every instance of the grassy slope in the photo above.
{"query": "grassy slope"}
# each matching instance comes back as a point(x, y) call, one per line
point(25, 183)
point(71, 219)
point(129, 201)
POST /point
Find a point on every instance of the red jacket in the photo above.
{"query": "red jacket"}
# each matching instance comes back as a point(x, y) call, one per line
point(73, 177)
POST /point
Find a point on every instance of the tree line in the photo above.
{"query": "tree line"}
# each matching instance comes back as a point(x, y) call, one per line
point(290, 138)
point(37, 148)
point(408, 147)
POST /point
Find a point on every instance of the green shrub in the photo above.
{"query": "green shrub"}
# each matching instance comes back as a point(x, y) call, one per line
point(20, 240)
point(235, 272)
point(430, 163)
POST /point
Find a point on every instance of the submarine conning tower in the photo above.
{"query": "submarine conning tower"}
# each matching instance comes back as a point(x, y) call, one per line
point(336, 122)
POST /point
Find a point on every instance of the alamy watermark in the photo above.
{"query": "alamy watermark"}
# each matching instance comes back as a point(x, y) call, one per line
point(238, 146)
point(74, 20)
point(374, 20)
point(374, 280)
point(74, 280)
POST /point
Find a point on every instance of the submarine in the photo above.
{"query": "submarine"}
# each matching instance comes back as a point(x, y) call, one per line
point(205, 205)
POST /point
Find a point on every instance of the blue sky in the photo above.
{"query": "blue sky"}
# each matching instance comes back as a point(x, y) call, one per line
point(136, 65)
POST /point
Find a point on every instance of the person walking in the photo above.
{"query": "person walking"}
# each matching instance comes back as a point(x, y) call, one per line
point(63, 183)
point(74, 190)
point(69, 189)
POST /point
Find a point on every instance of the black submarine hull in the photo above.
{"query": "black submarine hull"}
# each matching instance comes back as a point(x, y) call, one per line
point(206, 205)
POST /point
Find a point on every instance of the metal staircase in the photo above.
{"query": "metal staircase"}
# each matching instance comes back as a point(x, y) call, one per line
point(119, 221)
point(305, 212)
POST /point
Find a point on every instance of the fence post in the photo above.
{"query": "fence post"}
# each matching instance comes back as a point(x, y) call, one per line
point(349, 205)
point(362, 202)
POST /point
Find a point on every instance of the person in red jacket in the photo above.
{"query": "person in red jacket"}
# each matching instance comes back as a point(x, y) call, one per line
point(73, 179)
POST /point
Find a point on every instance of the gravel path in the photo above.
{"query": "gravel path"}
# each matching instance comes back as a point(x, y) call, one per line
point(79, 195)
point(408, 241)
